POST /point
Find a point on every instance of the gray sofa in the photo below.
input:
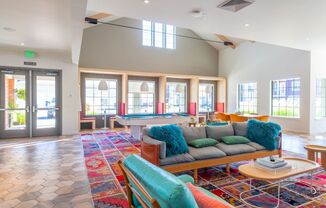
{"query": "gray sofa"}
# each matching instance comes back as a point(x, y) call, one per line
point(155, 151)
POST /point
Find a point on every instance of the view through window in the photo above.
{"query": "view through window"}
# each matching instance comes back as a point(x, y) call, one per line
point(159, 35)
point(206, 97)
point(97, 101)
point(176, 97)
point(320, 98)
point(286, 98)
point(247, 98)
point(141, 96)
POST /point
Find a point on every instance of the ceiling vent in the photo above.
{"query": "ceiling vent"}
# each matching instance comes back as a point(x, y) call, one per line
point(235, 5)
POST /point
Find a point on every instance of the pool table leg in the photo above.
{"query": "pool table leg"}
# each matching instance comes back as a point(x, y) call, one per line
point(135, 131)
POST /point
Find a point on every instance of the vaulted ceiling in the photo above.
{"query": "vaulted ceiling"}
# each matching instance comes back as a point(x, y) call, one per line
point(292, 23)
point(58, 24)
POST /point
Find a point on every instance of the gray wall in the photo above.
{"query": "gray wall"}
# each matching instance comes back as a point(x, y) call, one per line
point(261, 63)
point(110, 47)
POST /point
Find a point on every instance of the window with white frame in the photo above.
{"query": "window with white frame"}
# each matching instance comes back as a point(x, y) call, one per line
point(97, 101)
point(321, 98)
point(206, 97)
point(176, 97)
point(159, 35)
point(141, 96)
point(247, 98)
point(286, 98)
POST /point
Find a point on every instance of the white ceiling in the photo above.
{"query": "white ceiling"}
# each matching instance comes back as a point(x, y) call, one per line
point(292, 23)
point(43, 24)
point(58, 24)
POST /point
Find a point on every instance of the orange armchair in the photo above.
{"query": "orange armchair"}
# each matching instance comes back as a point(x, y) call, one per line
point(263, 118)
point(237, 118)
point(222, 117)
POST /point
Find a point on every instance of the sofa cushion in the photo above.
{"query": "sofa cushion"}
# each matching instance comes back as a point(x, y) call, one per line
point(172, 136)
point(217, 132)
point(204, 142)
point(163, 186)
point(150, 140)
point(205, 153)
point(235, 140)
point(257, 146)
point(240, 128)
point(191, 133)
point(235, 149)
point(176, 159)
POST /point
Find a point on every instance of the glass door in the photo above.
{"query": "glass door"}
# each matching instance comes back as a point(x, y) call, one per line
point(46, 109)
point(14, 103)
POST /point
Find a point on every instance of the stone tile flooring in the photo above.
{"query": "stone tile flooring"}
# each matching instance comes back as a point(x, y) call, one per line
point(43, 173)
point(50, 172)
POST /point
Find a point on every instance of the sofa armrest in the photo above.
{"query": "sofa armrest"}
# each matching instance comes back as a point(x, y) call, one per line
point(186, 178)
point(150, 152)
point(150, 140)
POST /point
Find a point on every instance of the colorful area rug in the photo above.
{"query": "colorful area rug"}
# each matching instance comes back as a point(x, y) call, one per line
point(102, 151)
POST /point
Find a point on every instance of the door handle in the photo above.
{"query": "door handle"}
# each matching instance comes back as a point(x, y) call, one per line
point(56, 109)
point(33, 109)
point(27, 109)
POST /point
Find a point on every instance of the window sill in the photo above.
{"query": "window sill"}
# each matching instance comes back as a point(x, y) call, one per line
point(320, 118)
point(284, 117)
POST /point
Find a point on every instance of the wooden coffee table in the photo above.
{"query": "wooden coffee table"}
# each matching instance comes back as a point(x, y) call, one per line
point(299, 166)
point(313, 151)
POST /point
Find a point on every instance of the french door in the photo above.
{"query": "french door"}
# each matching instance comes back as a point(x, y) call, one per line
point(30, 103)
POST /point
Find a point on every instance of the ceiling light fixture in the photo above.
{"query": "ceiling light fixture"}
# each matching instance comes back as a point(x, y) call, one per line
point(9, 29)
point(246, 25)
point(146, 1)
point(307, 38)
point(197, 13)
point(22, 44)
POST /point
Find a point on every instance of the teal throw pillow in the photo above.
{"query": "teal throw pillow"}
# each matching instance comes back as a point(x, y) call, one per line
point(264, 133)
point(172, 136)
point(235, 140)
point(204, 142)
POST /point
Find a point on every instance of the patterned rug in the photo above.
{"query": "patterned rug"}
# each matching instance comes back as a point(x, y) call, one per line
point(102, 151)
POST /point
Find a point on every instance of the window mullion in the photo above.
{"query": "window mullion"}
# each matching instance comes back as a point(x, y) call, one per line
point(164, 36)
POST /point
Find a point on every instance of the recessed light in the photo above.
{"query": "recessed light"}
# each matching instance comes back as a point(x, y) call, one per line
point(146, 1)
point(22, 44)
point(307, 38)
point(197, 13)
point(247, 25)
point(9, 29)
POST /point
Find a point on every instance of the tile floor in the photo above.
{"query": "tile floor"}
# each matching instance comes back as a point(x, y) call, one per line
point(43, 173)
point(50, 172)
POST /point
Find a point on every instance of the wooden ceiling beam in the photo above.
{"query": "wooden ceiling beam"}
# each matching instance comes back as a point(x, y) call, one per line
point(227, 41)
point(100, 15)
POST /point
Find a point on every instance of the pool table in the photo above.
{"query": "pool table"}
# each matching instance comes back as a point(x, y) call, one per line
point(138, 121)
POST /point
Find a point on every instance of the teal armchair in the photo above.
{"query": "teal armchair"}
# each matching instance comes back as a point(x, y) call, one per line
point(148, 185)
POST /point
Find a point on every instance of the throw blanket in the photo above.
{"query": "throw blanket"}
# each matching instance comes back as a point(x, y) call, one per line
point(263, 133)
point(172, 136)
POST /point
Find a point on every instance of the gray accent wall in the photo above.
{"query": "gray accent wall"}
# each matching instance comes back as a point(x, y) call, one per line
point(112, 47)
